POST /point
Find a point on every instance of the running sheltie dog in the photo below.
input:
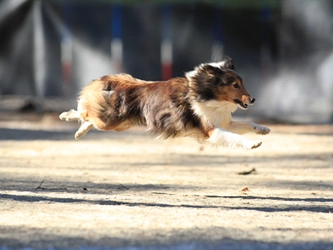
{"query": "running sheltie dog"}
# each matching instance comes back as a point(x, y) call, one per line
point(198, 105)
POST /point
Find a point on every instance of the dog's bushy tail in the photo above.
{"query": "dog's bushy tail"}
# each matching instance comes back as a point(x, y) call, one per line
point(92, 100)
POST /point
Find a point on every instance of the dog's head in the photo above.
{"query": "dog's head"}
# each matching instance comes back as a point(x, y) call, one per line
point(219, 82)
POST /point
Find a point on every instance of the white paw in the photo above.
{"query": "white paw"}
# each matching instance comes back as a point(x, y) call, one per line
point(252, 144)
point(71, 115)
point(63, 116)
point(78, 135)
point(260, 130)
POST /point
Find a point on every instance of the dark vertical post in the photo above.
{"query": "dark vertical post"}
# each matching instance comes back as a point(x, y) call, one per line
point(66, 47)
point(217, 47)
point(265, 53)
point(39, 54)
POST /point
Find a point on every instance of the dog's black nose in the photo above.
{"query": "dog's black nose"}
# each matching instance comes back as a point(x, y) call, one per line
point(252, 100)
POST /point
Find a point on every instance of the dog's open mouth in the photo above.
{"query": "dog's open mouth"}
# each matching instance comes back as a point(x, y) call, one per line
point(241, 104)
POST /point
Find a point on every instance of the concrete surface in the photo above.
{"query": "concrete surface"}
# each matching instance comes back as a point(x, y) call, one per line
point(129, 191)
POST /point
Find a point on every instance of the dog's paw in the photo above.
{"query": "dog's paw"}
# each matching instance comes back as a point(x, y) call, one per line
point(261, 130)
point(63, 116)
point(252, 144)
point(71, 115)
point(78, 135)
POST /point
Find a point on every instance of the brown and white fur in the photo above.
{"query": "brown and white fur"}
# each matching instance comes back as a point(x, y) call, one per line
point(198, 105)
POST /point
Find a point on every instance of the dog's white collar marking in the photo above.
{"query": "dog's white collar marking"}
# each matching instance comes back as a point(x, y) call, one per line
point(217, 112)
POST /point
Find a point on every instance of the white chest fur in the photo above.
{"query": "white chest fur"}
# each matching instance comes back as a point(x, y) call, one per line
point(217, 112)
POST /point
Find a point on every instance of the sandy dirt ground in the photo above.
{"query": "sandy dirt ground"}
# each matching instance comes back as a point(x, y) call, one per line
point(129, 191)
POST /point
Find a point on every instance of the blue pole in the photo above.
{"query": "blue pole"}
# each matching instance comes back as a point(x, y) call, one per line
point(116, 45)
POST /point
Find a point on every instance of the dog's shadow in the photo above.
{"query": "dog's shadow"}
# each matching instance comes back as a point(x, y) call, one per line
point(50, 193)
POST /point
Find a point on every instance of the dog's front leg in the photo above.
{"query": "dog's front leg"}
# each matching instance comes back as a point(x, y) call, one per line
point(245, 127)
point(84, 128)
point(221, 137)
point(71, 115)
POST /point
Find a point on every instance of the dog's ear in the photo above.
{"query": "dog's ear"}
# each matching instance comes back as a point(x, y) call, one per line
point(228, 63)
point(211, 74)
point(206, 73)
point(210, 70)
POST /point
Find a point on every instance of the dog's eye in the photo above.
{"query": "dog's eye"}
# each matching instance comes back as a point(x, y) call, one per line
point(236, 85)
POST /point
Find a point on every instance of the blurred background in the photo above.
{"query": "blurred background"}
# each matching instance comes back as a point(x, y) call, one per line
point(283, 49)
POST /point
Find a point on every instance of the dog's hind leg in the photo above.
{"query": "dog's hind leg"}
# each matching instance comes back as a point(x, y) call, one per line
point(71, 115)
point(84, 128)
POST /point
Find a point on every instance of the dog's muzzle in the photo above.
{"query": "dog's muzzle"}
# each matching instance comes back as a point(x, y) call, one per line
point(243, 105)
